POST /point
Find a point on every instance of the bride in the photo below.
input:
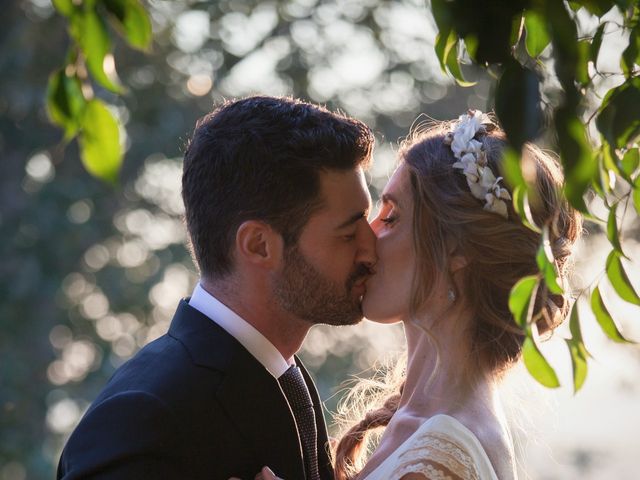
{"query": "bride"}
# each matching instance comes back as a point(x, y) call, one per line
point(450, 249)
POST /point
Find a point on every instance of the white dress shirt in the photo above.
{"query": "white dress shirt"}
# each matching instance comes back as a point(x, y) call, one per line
point(250, 338)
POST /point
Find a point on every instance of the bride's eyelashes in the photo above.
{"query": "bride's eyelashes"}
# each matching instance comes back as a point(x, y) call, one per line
point(389, 219)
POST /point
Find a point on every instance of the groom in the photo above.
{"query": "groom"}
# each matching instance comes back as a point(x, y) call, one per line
point(276, 207)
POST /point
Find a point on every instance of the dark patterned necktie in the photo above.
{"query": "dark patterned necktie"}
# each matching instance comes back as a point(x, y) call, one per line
point(297, 393)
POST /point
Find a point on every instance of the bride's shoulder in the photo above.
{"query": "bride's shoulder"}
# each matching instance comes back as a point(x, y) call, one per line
point(494, 439)
point(441, 448)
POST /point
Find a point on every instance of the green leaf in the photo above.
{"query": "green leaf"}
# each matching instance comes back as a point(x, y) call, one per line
point(517, 104)
point(563, 32)
point(537, 37)
point(511, 168)
point(65, 102)
point(65, 7)
point(631, 55)
point(100, 142)
point(579, 357)
point(582, 70)
point(446, 36)
point(618, 120)
point(604, 179)
point(577, 349)
point(516, 30)
point(574, 324)
point(90, 32)
point(521, 206)
point(596, 43)
point(612, 229)
point(132, 20)
point(610, 160)
point(444, 42)
point(453, 64)
point(471, 45)
point(604, 318)
point(547, 265)
point(537, 365)
point(447, 52)
point(636, 195)
point(619, 279)
point(520, 298)
point(576, 156)
point(442, 14)
point(630, 162)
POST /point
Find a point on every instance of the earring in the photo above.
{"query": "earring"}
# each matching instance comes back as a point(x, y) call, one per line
point(451, 295)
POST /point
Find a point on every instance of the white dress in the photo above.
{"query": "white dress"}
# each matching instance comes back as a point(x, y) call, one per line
point(440, 449)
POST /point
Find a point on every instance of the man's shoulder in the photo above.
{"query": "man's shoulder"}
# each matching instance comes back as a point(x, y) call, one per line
point(164, 369)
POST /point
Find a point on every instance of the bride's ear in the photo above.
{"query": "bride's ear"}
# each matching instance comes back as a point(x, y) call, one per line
point(457, 260)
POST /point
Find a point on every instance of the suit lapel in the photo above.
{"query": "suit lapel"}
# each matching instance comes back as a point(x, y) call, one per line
point(249, 394)
point(255, 402)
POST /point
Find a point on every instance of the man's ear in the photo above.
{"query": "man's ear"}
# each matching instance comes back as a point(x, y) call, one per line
point(259, 244)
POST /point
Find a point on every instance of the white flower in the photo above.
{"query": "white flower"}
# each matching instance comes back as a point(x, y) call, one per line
point(477, 189)
point(497, 206)
point(472, 160)
point(463, 135)
point(469, 167)
point(501, 192)
point(487, 178)
point(474, 146)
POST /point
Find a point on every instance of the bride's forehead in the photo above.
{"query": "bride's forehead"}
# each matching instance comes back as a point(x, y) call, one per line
point(397, 183)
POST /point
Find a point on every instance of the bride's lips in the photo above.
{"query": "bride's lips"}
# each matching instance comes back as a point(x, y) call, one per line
point(360, 287)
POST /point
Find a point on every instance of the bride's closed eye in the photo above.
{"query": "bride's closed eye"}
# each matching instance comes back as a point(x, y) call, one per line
point(388, 215)
point(389, 219)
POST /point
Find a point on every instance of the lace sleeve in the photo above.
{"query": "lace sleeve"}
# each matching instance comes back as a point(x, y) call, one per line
point(436, 456)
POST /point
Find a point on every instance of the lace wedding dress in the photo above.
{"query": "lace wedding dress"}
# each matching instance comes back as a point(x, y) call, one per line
point(440, 449)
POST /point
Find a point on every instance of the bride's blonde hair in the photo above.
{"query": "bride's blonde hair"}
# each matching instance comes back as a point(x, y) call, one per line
point(499, 252)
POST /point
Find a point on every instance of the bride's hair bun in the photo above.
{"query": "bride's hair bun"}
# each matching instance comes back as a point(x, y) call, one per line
point(499, 250)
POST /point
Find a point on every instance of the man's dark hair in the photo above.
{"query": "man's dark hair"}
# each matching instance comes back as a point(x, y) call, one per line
point(259, 158)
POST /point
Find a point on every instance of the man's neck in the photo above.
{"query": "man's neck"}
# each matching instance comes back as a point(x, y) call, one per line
point(261, 311)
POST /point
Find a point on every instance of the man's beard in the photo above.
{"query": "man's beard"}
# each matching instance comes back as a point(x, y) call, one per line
point(303, 291)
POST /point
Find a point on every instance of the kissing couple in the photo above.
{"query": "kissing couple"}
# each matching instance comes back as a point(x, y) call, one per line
point(277, 207)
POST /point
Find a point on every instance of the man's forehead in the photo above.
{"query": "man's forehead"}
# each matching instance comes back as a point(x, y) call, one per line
point(347, 184)
point(344, 193)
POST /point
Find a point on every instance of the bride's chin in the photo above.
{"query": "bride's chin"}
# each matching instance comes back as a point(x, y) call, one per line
point(377, 315)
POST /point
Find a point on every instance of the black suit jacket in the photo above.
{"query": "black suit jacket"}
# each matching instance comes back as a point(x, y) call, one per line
point(192, 404)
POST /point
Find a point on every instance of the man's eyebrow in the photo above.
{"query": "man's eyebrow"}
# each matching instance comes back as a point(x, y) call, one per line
point(353, 219)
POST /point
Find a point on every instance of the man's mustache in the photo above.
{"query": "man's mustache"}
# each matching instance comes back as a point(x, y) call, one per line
point(361, 271)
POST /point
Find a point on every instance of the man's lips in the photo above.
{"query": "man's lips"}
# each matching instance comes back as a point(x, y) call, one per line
point(360, 286)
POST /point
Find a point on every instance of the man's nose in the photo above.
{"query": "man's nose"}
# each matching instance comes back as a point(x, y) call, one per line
point(367, 247)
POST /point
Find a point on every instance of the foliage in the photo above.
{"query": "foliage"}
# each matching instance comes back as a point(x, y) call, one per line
point(70, 98)
point(514, 40)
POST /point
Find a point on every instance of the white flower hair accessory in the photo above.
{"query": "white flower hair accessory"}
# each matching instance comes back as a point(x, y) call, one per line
point(472, 160)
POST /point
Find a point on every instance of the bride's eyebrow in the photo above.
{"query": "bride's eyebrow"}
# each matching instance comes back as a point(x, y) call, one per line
point(388, 198)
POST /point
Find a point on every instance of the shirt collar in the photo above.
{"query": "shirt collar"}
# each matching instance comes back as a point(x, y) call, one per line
point(248, 336)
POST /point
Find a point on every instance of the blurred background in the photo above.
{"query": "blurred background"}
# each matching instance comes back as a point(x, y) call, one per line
point(89, 273)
